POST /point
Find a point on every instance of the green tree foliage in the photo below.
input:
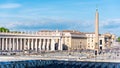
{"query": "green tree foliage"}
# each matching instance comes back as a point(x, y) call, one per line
point(118, 39)
point(3, 29)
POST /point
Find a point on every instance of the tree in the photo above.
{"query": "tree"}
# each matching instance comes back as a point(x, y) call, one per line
point(118, 39)
point(3, 29)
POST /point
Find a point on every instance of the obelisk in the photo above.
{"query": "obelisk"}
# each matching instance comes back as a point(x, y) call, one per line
point(97, 30)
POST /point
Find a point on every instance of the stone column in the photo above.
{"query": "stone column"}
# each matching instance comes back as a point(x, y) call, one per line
point(52, 45)
point(48, 44)
point(14, 44)
point(61, 41)
point(43, 46)
point(6, 46)
point(36, 46)
point(21, 46)
point(17, 44)
point(60, 44)
point(10, 44)
point(28, 44)
point(0, 44)
point(40, 44)
point(25, 48)
point(32, 44)
point(3, 44)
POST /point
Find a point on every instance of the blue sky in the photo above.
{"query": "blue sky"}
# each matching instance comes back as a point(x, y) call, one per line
point(35, 15)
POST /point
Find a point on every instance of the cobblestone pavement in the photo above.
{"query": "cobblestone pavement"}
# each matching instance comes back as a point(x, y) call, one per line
point(107, 56)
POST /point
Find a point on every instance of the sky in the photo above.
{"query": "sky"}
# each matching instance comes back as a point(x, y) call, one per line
point(35, 15)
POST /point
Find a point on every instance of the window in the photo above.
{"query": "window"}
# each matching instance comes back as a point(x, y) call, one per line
point(92, 40)
point(88, 40)
point(80, 46)
point(100, 42)
point(88, 43)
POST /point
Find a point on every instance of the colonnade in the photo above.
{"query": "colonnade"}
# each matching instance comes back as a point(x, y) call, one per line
point(33, 44)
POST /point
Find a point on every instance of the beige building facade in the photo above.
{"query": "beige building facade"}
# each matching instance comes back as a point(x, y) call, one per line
point(105, 40)
point(75, 40)
point(70, 39)
point(46, 40)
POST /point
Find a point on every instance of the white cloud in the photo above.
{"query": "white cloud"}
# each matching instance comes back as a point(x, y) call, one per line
point(111, 26)
point(10, 5)
point(113, 23)
point(45, 23)
point(37, 23)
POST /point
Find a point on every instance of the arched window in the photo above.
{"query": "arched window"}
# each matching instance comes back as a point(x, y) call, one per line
point(100, 42)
